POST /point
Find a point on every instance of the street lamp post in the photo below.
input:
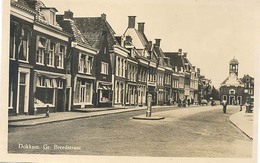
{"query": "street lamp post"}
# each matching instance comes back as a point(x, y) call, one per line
point(149, 106)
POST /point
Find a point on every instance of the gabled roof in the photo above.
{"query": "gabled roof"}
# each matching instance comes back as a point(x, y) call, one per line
point(69, 26)
point(232, 80)
point(36, 6)
point(93, 27)
point(175, 59)
point(139, 40)
point(160, 55)
point(24, 5)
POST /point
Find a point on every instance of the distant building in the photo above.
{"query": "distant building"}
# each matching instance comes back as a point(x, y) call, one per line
point(249, 88)
point(232, 88)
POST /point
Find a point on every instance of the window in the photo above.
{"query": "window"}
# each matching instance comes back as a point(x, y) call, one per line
point(52, 18)
point(104, 68)
point(60, 57)
point(45, 94)
point(83, 92)
point(23, 47)
point(59, 84)
point(225, 97)
point(12, 45)
point(40, 52)
point(105, 96)
point(232, 92)
point(50, 55)
point(11, 92)
point(85, 64)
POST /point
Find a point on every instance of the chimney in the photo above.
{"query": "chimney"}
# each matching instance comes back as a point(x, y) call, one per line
point(185, 54)
point(180, 51)
point(198, 71)
point(131, 21)
point(157, 42)
point(141, 27)
point(68, 15)
point(103, 16)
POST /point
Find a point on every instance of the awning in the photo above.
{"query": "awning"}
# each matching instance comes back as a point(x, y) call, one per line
point(104, 87)
point(50, 75)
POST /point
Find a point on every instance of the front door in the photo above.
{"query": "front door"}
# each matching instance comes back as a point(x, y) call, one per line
point(231, 100)
point(22, 91)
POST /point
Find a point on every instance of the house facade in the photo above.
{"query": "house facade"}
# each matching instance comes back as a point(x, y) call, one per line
point(232, 88)
point(40, 53)
point(140, 49)
point(110, 80)
point(248, 88)
point(81, 57)
point(20, 51)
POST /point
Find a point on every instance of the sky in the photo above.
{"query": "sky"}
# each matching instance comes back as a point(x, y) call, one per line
point(212, 32)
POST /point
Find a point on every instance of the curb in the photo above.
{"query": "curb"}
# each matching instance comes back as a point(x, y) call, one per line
point(239, 128)
point(89, 116)
point(74, 118)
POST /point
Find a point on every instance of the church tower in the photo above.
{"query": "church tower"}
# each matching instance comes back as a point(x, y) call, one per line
point(233, 66)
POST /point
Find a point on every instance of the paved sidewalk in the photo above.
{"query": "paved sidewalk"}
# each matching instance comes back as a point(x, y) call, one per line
point(32, 120)
point(244, 122)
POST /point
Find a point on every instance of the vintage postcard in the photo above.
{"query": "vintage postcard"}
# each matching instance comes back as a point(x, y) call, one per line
point(124, 81)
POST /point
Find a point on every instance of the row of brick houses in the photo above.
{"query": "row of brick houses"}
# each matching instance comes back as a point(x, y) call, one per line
point(66, 63)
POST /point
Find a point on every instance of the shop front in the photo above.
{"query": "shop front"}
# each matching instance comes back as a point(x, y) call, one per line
point(49, 92)
point(131, 95)
point(83, 92)
point(104, 94)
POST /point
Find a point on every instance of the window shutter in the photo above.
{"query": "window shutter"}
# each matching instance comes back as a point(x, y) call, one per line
point(37, 42)
point(65, 61)
point(47, 45)
point(57, 49)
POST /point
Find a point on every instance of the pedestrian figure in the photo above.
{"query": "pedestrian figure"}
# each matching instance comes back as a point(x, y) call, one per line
point(212, 103)
point(170, 101)
point(241, 107)
point(247, 106)
point(188, 102)
point(224, 104)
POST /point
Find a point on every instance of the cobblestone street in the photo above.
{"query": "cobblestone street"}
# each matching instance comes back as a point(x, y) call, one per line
point(185, 132)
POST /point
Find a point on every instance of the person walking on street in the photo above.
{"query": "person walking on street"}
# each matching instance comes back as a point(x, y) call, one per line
point(224, 104)
point(247, 106)
point(241, 105)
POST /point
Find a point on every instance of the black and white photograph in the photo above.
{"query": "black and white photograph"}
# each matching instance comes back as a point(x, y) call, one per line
point(130, 81)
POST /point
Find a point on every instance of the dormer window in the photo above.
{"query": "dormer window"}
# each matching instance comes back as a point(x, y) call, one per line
point(50, 15)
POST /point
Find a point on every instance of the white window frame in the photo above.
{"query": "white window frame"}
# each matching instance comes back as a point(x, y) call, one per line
point(27, 47)
point(85, 64)
point(104, 68)
point(41, 51)
point(13, 45)
point(60, 57)
point(232, 92)
point(50, 55)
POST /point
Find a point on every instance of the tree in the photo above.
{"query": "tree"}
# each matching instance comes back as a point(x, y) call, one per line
point(215, 94)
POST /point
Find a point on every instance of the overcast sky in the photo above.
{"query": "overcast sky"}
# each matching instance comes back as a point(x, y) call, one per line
point(212, 31)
